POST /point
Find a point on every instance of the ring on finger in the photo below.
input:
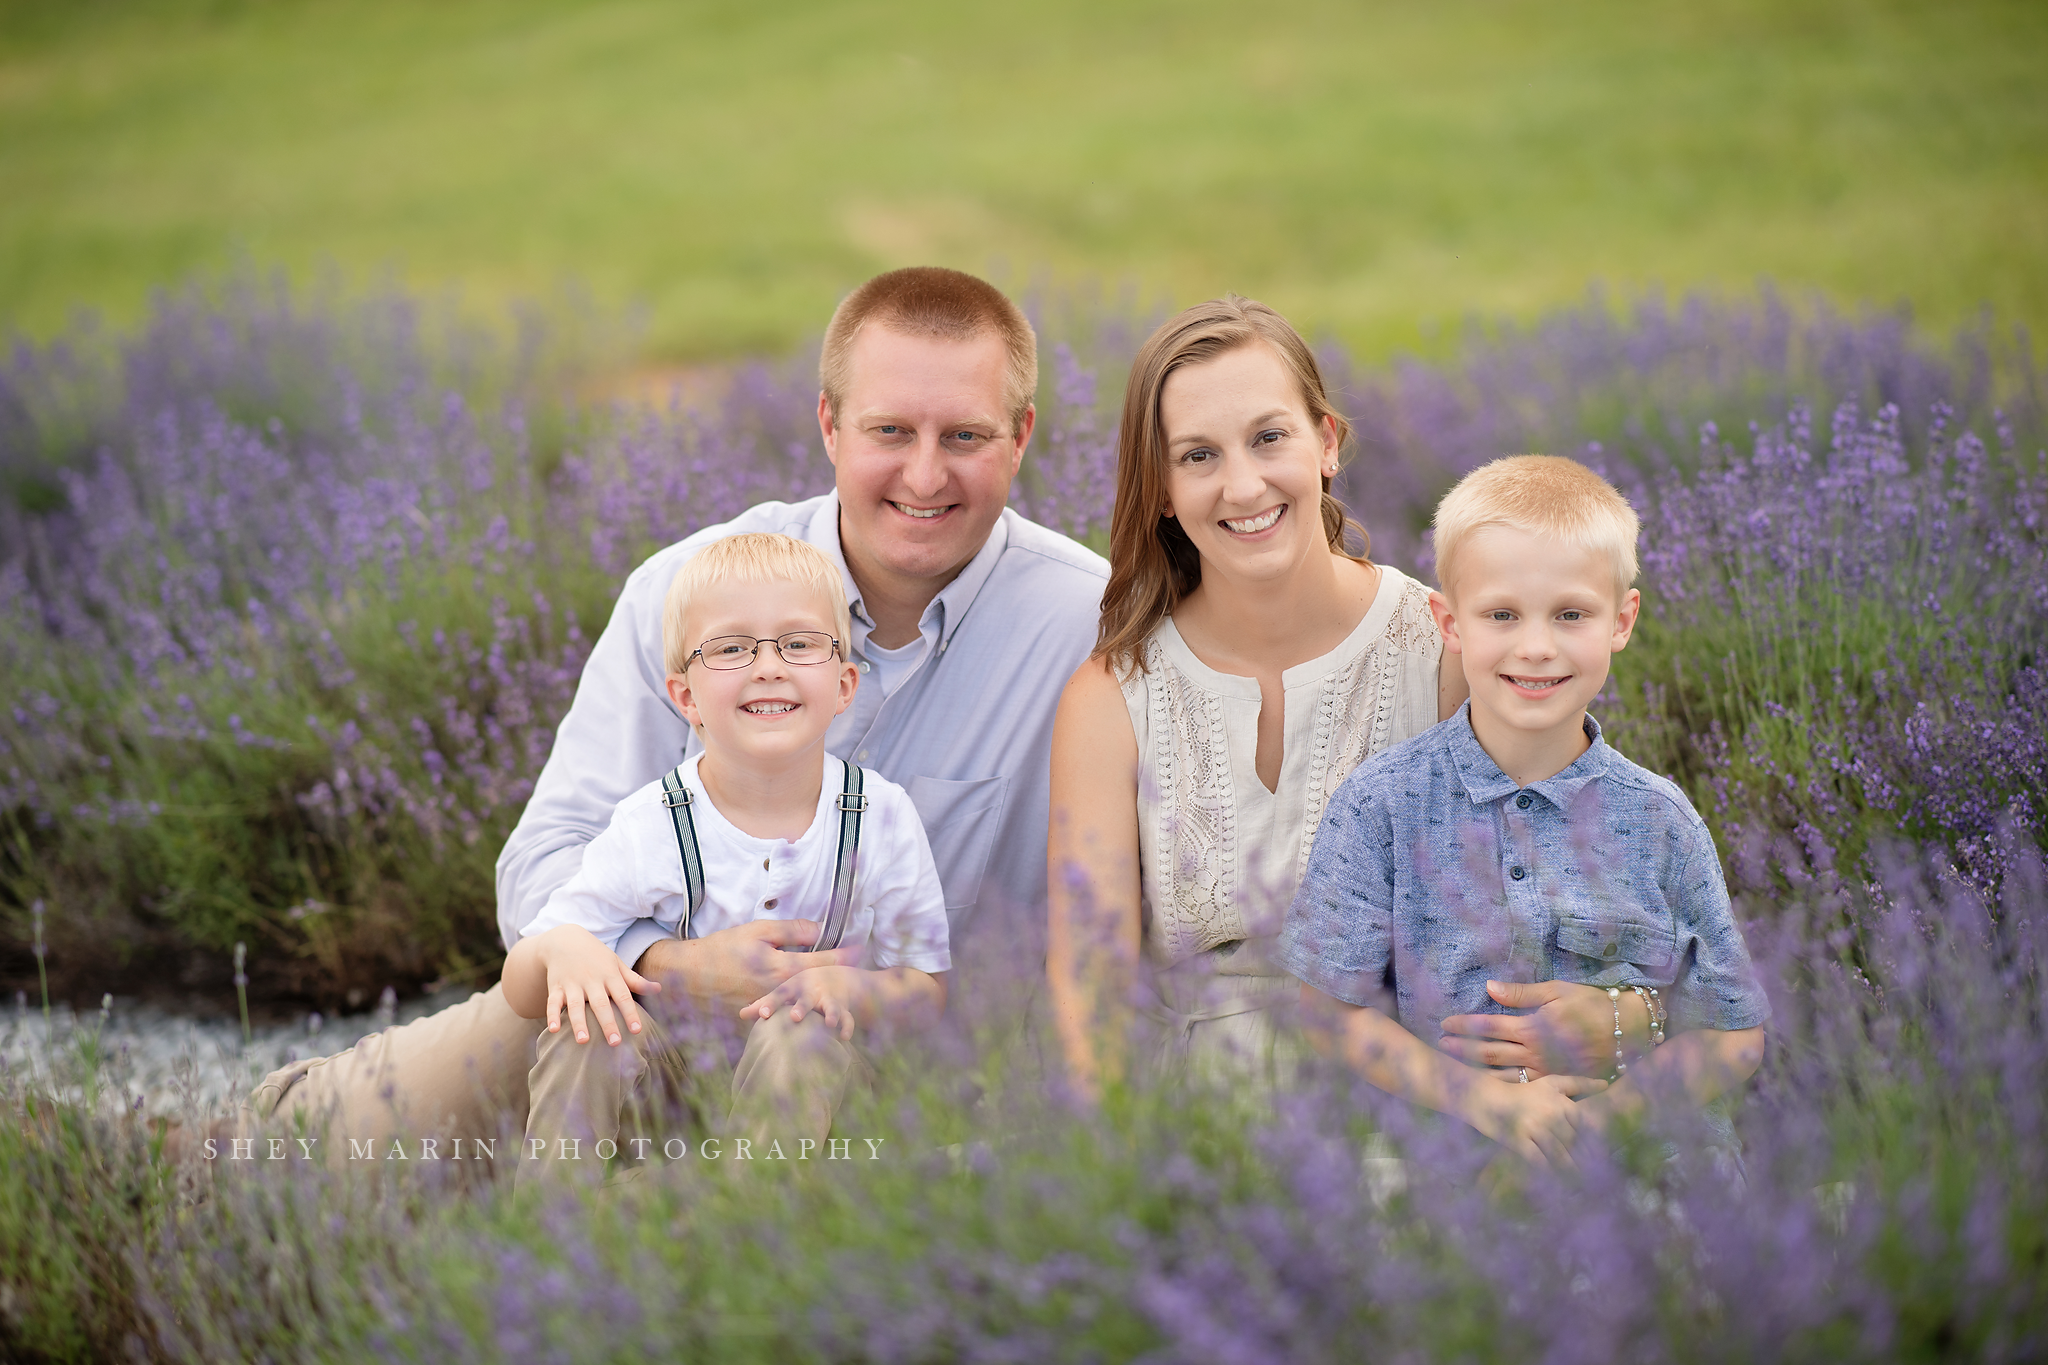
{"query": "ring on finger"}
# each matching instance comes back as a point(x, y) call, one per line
point(1523, 1072)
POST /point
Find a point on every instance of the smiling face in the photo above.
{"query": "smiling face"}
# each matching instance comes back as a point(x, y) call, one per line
point(923, 451)
point(770, 714)
point(1245, 463)
point(1537, 623)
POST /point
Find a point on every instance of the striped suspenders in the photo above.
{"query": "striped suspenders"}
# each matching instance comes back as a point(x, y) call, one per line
point(676, 797)
point(851, 805)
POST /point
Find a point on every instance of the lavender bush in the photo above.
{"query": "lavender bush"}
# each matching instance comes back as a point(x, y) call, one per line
point(293, 604)
point(1632, 388)
point(296, 593)
point(1857, 655)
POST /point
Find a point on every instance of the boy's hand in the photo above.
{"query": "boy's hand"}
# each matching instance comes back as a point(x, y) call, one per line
point(583, 971)
point(831, 991)
point(1599, 1112)
point(1538, 1121)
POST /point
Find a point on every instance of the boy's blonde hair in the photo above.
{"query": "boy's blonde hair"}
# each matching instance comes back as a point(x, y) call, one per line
point(1546, 495)
point(755, 557)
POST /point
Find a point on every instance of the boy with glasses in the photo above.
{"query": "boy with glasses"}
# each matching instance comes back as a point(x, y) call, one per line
point(760, 824)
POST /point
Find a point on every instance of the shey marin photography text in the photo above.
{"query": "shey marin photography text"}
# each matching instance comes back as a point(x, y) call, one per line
point(538, 1149)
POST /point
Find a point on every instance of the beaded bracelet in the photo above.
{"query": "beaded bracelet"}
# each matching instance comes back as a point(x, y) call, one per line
point(1620, 1063)
point(1654, 1003)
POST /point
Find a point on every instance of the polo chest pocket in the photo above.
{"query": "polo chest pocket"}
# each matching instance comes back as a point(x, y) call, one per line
point(1649, 946)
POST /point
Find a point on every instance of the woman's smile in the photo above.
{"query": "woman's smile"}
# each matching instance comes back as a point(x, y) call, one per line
point(1255, 525)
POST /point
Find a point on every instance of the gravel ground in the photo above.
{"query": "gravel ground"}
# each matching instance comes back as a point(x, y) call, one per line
point(160, 1063)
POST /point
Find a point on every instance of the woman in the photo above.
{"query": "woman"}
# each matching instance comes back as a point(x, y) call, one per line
point(1247, 661)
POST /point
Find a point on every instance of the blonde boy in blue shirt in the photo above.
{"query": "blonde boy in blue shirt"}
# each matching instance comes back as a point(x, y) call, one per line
point(1511, 842)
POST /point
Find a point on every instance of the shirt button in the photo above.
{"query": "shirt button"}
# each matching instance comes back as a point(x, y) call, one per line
point(764, 864)
point(1518, 873)
point(769, 904)
point(1609, 951)
point(1522, 801)
point(863, 755)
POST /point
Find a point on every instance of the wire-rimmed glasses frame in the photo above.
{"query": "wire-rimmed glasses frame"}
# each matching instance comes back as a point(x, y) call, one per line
point(724, 653)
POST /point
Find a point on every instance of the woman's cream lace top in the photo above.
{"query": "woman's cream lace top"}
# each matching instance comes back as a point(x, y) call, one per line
point(1219, 856)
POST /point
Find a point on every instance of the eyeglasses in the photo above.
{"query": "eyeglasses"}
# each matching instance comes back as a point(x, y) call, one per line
point(799, 647)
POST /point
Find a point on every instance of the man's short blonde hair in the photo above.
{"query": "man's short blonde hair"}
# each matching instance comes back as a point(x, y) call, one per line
point(754, 558)
point(931, 301)
point(1545, 495)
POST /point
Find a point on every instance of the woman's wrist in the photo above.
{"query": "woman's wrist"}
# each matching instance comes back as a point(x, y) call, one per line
point(1653, 1003)
point(1636, 1020)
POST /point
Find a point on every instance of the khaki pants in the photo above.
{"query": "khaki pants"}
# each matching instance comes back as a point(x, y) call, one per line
point(790, 1081)
point(478, 1073)
point(460, 1073)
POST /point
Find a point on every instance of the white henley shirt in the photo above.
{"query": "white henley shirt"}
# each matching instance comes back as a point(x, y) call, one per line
point(634, 871)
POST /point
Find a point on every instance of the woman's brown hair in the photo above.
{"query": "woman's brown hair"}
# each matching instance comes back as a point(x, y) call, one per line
point(1152, 563)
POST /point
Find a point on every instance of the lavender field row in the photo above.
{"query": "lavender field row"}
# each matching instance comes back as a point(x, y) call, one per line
point(294, 595)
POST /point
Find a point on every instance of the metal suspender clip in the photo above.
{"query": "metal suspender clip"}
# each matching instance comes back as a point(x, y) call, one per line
point(852, 801)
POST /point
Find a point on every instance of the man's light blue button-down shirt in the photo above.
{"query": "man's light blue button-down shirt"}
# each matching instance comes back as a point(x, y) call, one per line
point(968, 734)
point(1433, 872)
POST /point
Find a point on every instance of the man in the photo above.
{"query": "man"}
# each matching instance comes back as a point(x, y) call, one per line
point(967, 621)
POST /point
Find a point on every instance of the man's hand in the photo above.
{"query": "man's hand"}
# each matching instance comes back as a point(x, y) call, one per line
point(581, 971)
point(835, 992)
point(1538, 1122)
point(733, 967)
point(1570, 1034)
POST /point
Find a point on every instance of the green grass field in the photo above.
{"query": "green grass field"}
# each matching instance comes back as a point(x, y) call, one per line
point(1377, 170)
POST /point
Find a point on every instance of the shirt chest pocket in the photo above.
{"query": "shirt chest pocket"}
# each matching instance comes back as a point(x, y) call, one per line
point(1650, 945)
point(960, 819)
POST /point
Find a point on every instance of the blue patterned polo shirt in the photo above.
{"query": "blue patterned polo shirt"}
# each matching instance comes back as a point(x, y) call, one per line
point(1432, 872)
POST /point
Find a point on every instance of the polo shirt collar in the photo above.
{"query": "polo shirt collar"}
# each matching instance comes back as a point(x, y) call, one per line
point(951, 605)
point(1486, 783)
point(1562, 788)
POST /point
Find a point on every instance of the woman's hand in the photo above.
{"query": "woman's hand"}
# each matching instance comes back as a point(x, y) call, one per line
point(1571, 1032)
point(1538, 1122)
